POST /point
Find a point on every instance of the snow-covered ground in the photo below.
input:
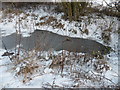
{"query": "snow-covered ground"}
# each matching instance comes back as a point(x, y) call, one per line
point(29, 20)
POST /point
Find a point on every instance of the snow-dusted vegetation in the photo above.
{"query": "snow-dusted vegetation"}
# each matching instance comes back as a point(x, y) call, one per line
point(37, 68)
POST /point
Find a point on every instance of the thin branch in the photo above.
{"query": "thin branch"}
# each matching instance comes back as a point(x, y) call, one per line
point(107, 4)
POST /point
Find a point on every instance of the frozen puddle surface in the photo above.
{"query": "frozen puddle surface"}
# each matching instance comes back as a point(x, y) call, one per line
point(46, 40)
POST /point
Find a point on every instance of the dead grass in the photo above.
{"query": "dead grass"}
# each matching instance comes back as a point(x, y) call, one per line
point(30, 64)
point(52, 21)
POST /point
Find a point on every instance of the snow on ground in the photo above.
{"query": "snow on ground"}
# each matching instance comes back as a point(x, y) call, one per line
point(10, 24)
point(9, 80)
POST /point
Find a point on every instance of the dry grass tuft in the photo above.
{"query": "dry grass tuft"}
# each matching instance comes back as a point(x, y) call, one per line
point(52, 21)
